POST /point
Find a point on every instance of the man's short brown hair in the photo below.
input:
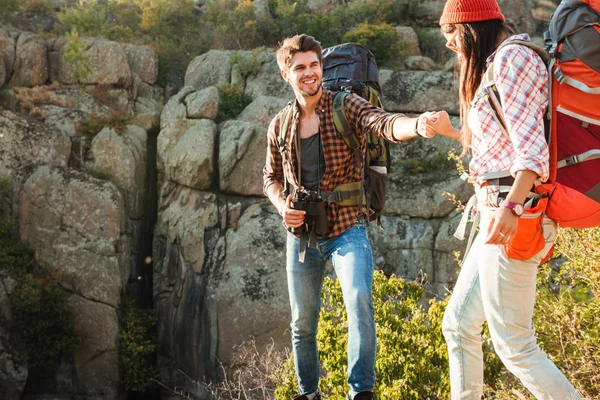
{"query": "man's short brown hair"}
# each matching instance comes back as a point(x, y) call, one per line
point(296, 44)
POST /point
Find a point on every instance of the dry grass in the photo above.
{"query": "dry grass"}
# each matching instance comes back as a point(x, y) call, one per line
point(252, 375)
point(30, 98)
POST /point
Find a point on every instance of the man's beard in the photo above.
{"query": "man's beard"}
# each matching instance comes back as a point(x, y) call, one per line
point(310, 93)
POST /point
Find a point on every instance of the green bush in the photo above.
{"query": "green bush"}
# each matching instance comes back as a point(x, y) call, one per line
point(381, 39)
point(137, 347)
point(412, 359)
point(88, 19)
point(235, 24)
point(8, 6)
point(232, 101)
point(74, 54)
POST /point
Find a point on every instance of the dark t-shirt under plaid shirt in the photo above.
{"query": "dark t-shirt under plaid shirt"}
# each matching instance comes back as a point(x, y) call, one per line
point(340, 164)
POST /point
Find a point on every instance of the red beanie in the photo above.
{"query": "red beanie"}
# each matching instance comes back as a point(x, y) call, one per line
point(461, 11)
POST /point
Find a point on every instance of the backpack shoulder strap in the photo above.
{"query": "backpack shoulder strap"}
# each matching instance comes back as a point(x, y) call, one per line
point(488, 85)
point(284, 124)
point(349, 136)
point(340, 120)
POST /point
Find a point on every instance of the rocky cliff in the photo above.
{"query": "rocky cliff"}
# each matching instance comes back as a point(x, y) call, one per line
point(121, 190)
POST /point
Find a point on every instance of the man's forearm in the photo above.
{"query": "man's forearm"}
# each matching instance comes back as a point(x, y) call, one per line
point(405, 128)
point(275, 195)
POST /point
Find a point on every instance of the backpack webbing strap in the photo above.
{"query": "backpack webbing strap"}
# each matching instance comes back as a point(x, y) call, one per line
point(490, 91)
point(284, 125)
point(576, 159)
point(346, 133)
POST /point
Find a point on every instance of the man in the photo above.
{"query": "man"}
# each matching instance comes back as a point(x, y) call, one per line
point(326, 162)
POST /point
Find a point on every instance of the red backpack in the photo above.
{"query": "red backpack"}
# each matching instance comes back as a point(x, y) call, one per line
point(573, 43)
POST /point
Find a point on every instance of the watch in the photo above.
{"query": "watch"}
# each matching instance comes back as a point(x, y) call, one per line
point(516, 208)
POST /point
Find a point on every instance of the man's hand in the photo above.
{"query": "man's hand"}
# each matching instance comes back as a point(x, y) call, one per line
point(502, 227)
point(440, 123)
point(423, 127)
point(291, 218)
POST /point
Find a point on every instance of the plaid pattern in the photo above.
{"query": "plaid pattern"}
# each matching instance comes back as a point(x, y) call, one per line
point(522, 82)
point(339, 159)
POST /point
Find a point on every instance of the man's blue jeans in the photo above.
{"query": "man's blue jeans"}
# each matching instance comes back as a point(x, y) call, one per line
point(352, 259)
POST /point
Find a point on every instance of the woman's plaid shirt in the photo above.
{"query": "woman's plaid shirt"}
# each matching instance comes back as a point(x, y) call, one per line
point(340, 164)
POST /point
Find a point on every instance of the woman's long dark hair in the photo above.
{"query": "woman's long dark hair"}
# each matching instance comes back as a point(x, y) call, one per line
point(477, 41)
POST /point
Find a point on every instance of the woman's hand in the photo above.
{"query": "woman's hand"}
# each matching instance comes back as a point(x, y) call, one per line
point(503, 227)
point(440, 123)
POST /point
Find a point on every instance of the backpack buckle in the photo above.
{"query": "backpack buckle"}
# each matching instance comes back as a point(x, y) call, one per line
point(560, 77)
point(572, 160)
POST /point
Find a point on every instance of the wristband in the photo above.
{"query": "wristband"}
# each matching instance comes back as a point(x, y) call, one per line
point(417, 126)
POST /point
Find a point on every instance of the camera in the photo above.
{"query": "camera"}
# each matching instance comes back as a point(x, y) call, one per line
point(316, 211)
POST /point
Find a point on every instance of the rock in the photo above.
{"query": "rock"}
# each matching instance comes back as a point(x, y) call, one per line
point(203, 104)
point(143, 62)
point(416, 91)
point(450, 64)
point(251, 295)
point(168, 138)
point(27, 143)
point(175, 110)
point(421, 195)
point(519, 14)
point(242, 147)
point(182, 272)
point(74, 224)
point(30, 67)
point(2, 72)
point(426, 10)
point(8, 46)
point(95, 358)
point(64, 119)
point(123, 156)
point(268, 81)
point(209, 69)
point(106, 59)
point(262, 110)
point(408, 36)
point(8, 97)
point(142, 89)
point(404, 248)
point(147, 113)
point(190, 161)
point(420, 63)
point(13, 370)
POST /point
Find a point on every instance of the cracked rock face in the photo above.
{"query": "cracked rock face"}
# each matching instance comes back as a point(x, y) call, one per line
point(76, 225)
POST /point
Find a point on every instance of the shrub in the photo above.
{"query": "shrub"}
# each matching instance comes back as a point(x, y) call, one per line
point(235, 24)
point(246, 65)
point(439, 161)
point(381, 39)
point(74, 54)
point(8, 6)
point(87, 19)
point(35, 6)
point(232, 101)
point(412, 360)
point(99, 173)
point(137, 347)
point(30, 98)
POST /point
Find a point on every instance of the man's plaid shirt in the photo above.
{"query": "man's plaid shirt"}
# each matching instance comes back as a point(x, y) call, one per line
point(340, 164)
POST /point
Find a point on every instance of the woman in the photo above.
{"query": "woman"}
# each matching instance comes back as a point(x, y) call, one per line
point(497, 282)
